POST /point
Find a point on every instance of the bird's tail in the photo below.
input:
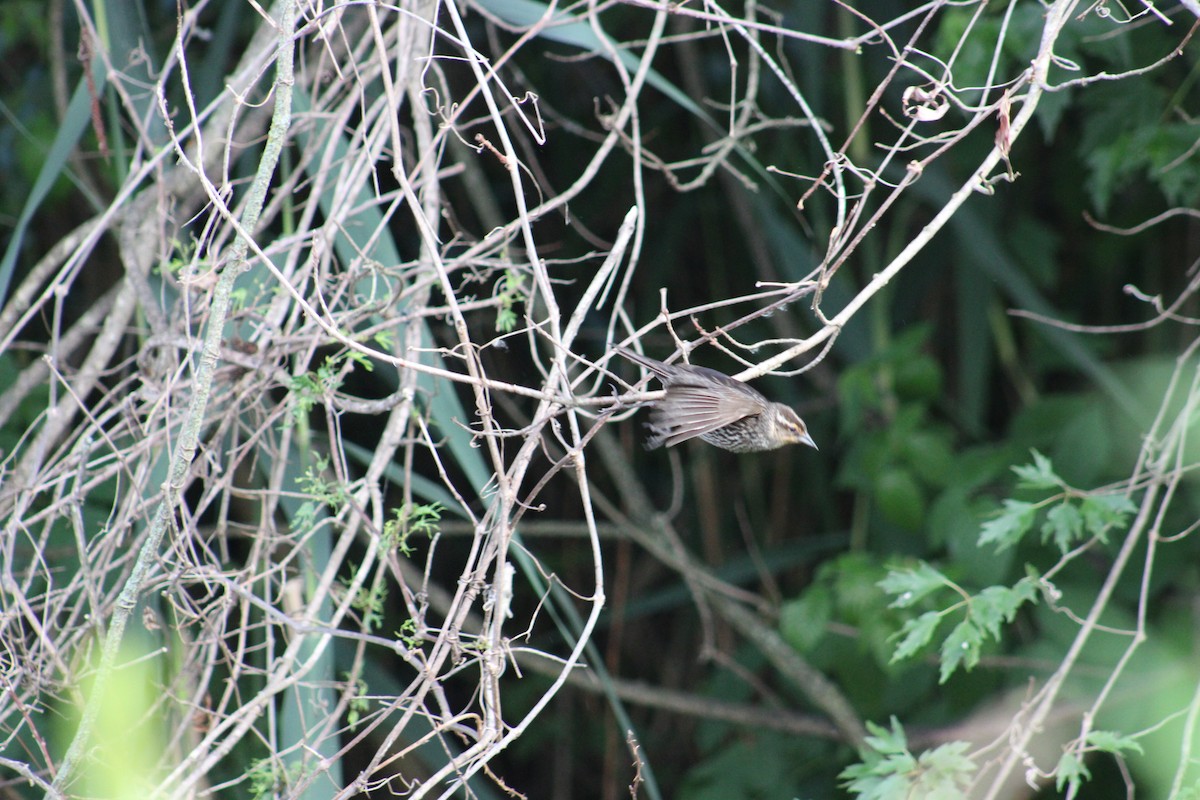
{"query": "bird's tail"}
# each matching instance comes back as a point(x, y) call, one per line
point(663, 371)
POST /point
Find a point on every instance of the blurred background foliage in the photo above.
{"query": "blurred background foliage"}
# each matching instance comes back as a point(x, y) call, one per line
point(922, 407)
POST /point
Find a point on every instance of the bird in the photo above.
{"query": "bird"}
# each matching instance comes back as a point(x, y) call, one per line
point(723, 411)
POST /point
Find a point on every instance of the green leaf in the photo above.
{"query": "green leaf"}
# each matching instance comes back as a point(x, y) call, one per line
point(803, 621)
point(1113, 742)
point(917, 633)
point(885, 741)
point(999, 604)
point(910, 585)
point(918, 378)
point(1038, 475)
point(1013, 522)
point(962, 646)
point(872, 787)
point(1027, 588)
point(890, 772)
point(857, 394)
point(1064, 524)
point(1102, 512)
point(991, 608)
point(1072, 770)
point(944, 773)
point(900, 498)
point(931, 456)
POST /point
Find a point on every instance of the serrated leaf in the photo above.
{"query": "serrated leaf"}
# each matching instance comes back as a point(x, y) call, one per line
point(1038, 475)
point(962, 646)
point(912, 584)
point(1064, 525)
point(887, 741)
point(948, 757)
point(944, 772)
point(917, 633)
point(1113, 742)
point(992, 607)
point(1026, 589)
point(1013, 522)
point(1072, 770)
point(1101, 512)
point(875, 788)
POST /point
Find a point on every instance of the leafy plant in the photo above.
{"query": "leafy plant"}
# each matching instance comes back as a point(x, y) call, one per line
point(1069, 516)
point(982, 614)
point(272, 288)
point(510, 290)
point(370, 603)
point(312, 388)
point(412, 519)
point(889, 771)
point(319, 492)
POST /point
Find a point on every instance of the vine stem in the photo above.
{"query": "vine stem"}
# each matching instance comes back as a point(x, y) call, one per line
point(185, 451)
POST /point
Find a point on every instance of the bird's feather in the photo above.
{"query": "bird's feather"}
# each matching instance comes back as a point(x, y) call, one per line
point(690, 411)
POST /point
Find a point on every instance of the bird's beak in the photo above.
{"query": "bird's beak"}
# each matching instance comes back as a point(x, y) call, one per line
point(808, 440)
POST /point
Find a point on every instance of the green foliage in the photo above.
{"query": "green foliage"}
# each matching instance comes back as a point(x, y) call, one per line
point(369, 602)
point(268, 778)
point(803, 620)
point(973, 63)
point(756, 768)
point(408, 634)
point(1069, 516)
point(982, 614)
point(359, 704)
point(181, 256)
point(929, 416)
point(899, 456)
point(889, 771)
point(412, 519)
point(311, 388)
point(1190, 792)
point(320, 492)
point(1117, 151)
point(1071, 771)
point(845, 590)
point(510, 291)
point(1113, 742)
point(127, 744)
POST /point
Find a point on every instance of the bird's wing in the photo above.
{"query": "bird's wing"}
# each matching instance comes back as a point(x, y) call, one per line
point(688, 411)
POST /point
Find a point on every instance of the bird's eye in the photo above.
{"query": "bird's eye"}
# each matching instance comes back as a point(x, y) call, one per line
point(796, 429)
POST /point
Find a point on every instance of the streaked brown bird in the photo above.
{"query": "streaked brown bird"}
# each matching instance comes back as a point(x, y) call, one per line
point(721, 410)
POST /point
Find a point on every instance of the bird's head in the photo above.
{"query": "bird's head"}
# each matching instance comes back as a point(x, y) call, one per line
point(789, 428)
